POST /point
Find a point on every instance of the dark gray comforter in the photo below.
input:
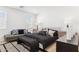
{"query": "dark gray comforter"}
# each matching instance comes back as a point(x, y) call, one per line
point(45, 40)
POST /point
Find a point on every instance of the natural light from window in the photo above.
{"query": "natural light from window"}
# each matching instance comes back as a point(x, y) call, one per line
point(3, 19)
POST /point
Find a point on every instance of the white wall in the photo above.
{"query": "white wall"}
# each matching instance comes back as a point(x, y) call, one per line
point(16, 19)
point(56, 16)
point(50, 16)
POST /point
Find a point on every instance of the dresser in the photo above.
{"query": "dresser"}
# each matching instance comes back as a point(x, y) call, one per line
point(64, 45)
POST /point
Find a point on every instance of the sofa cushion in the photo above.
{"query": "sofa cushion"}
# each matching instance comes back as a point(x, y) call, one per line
point(21, 31)
point(14, 32)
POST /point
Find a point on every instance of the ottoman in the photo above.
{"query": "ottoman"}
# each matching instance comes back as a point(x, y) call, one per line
point(30, 42)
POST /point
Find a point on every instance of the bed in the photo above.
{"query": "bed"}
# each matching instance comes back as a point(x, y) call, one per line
point(43, 38)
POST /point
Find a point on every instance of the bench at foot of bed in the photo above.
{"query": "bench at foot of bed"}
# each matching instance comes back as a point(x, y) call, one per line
point(30, 42)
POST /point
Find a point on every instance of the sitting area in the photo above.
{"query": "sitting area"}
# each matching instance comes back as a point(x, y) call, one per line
point(15, 34)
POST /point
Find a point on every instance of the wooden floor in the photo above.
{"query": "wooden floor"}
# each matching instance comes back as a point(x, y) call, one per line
point(12, 47)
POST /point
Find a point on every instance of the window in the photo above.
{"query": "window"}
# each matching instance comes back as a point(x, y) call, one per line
point(3, 19)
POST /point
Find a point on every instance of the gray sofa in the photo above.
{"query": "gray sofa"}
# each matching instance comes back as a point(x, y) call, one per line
point(15, 34)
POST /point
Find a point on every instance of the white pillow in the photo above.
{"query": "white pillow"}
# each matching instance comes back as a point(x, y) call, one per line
point(51, 33)
point(14, 32)
point(40, 45)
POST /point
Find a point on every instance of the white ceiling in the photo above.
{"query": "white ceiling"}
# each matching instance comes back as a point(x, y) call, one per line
point(38, 9)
